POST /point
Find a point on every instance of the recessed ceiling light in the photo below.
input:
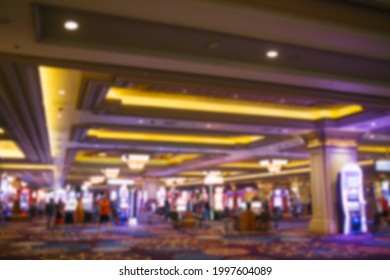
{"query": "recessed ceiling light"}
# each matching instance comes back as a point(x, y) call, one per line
point(372, 136)
point(59, 115)
point(61, 92)
point(71, 25)
point(141, 121)
point(208, 125)
point(373, 124)
point(272, 54)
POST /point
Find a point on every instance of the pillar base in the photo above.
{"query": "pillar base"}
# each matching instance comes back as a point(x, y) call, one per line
point(323, 226)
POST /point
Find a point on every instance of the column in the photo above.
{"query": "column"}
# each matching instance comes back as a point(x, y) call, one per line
point(233, 187)
point(151, 187)
point(211, 202)
point(327, 157)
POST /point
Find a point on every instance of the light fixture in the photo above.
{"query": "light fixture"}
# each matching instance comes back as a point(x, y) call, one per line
point(174, 181)
point(61, 92)
point(85, 186)
point(121, 182)
point(71, 25)
point(136, 162)
point(111, 173)
point(213, 177)
point(272, 54)
point(274, 166)
point(97, 179)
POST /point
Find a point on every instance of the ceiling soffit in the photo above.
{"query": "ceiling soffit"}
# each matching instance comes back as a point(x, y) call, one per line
point(22, 110)
point(158, 39)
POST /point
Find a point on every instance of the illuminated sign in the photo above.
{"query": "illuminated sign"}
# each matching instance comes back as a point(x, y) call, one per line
point(382, 165)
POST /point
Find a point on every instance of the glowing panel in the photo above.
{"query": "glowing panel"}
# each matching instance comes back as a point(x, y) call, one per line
point(136, 97)
point(155, 137)
point(374, 149)
point(218, 199)
point(9, 166)
point(55, 81)
point(9, 149)
point(82, 157)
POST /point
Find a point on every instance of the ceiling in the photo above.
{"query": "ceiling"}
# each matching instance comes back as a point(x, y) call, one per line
point(189, 83)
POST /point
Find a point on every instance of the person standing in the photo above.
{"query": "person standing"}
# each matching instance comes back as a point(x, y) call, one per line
point(33, 211)
point(2, 212)
point(385, 209)
point(49, 211)
point(207, 210)
point(59, 214)
point(104, 212)
point(79, 212)
point(167, 209)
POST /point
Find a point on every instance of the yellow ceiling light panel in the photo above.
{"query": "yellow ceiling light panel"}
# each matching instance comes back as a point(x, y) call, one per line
point(175, 138)
point(374, 149)
point(177, 159)
point(245, 165)
point(58, 88)
point(78, 177)
point(82, 157)
point(366, 162)
point(136, 97)
point(297, 163)
point(23, 166)
point(9, 149)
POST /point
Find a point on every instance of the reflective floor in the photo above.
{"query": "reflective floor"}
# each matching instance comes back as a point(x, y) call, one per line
point(160, 240)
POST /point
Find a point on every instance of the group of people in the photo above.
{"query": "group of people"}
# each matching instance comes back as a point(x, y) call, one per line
point(55, 213)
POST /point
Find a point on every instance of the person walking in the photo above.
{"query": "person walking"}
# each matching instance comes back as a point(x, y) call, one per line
point(49, 211)
point(2, 212)
point(104, 213)
point(59, 214)
point(207, 210)
point(167, 209)
point(79, 212)
point(33, 212)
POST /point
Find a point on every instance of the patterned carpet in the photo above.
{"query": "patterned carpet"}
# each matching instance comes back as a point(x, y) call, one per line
point(161, 241)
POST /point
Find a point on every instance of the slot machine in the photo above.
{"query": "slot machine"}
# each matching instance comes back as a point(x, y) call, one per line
point(24, 200)
point(124, 205)
point(351, 200)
